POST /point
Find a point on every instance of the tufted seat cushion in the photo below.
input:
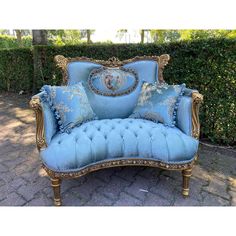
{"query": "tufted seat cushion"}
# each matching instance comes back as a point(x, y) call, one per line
point(101, 140)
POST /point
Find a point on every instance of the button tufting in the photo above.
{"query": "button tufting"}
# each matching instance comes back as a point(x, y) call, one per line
point(164, 133)
point(118, 142)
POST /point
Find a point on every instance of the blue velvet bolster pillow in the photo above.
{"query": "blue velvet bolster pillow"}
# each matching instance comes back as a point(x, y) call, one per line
point(69, 104)
point(159, 103)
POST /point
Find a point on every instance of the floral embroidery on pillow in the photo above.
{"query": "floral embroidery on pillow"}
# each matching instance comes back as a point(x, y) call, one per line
point(70, 105)
point(159, 103)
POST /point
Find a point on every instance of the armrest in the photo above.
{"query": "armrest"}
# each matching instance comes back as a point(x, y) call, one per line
point(46, 124)
point(188, 113)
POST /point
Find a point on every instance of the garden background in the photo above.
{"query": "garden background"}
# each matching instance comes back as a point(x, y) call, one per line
point(203, 59)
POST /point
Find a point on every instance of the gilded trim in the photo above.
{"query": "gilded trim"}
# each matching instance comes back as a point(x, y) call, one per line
point(116, 163)
point(62, 63)
point(197, 99)
point(127, 91)
point(40, 132)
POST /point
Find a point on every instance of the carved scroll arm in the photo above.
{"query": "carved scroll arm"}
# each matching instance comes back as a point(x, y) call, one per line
point(197, 99)
point(35, 104)
point(61, 62)
point(163, 61)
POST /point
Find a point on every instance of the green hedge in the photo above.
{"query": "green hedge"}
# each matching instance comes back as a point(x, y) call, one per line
point(206, 65)
point(16, 69)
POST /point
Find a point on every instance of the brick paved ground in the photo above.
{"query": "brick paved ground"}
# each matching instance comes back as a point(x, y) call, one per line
point(23, 183)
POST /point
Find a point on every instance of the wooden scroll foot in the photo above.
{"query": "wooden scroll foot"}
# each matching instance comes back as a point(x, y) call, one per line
point(186, 177)
point(56, 184)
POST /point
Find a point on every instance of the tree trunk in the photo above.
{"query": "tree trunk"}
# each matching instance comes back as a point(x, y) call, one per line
point(19, 37)
point(39, 38)
point(88, 36)
point(142, 36)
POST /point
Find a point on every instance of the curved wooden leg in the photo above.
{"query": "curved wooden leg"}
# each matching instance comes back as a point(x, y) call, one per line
point(196, 158)
point(186, 177)
point(56, 184)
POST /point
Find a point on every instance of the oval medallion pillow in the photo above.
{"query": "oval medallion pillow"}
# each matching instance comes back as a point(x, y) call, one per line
point(112, 81)
point(113, 92)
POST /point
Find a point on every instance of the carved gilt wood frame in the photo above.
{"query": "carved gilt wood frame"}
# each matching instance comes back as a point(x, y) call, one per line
point(35, 104)
point(62, 63)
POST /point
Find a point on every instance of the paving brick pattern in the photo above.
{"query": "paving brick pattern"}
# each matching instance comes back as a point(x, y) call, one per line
point(23, 183)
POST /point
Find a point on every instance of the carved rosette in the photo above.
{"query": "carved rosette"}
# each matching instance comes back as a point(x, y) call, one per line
point(40, 138)
point(197, 99)
point(112, 62)
point(116, 163)
point(62, 63)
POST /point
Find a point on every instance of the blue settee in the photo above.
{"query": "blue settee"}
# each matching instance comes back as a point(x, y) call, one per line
point(115, 139)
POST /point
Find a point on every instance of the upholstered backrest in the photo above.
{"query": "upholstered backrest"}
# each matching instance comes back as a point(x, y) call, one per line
point(112, 86)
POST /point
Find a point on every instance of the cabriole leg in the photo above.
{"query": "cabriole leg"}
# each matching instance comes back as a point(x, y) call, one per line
point(186, 177)
point(56, 184)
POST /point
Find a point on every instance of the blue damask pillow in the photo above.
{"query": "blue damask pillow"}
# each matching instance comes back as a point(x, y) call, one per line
point(159, 103)
point(70, 105)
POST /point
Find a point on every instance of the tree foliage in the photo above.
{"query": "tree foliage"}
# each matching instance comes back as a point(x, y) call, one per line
point(87, 34)
point(205, 34)
point(121, 33)
point(64, 37)
point(163, 36)
point(7, 41)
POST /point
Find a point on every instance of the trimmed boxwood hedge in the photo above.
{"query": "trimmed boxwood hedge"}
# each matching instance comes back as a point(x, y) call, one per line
point(16, 69)
point(206, 65)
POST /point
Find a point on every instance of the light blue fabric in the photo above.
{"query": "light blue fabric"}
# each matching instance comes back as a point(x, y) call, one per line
point(147, 70)
point(159, 103)
point(50, 122)
point(112, 81)
point(119, 106)
point(101, 140)
point(184, 115)
point(70, 104)
point(79, 71)
point(113, 107)
point(188, 92)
